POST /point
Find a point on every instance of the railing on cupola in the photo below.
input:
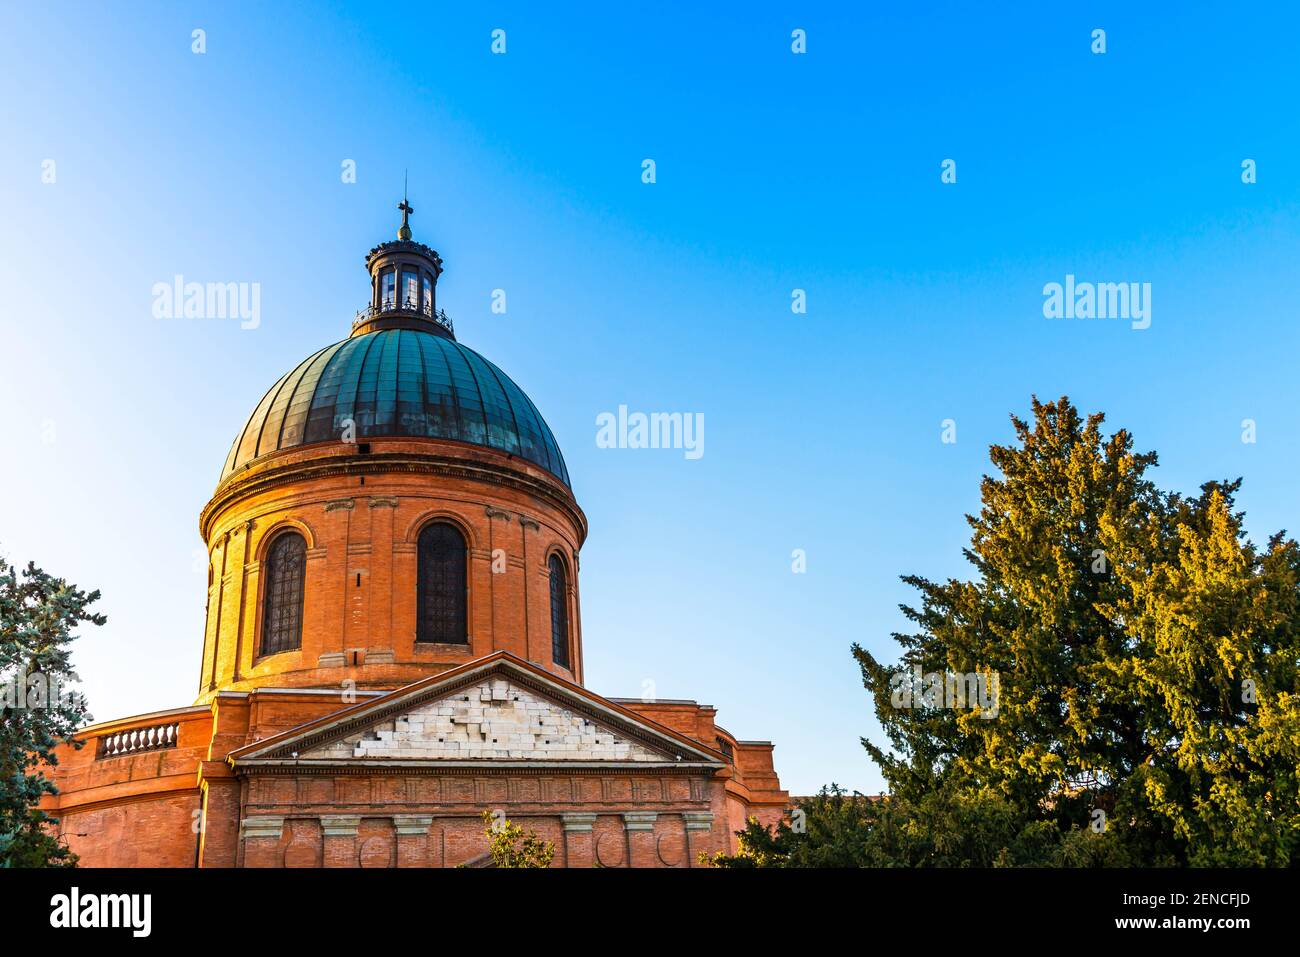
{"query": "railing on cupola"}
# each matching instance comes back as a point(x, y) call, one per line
point(137, 740)
point(409, 307)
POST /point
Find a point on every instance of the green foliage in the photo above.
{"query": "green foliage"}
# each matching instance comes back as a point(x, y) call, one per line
point(37, 616)
point(835, 832)
point(943, 829)
point(512, 846)
point(1148, 701)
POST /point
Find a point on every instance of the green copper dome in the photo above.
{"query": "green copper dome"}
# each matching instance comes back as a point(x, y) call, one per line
point(398, 382)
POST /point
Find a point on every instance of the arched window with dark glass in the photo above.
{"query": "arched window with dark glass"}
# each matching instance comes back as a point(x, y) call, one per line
point(559, 613)
point(284, 571)
point(410, 289)
point(440, 592)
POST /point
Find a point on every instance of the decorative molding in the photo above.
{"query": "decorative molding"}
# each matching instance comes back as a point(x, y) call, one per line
point(340, 825)
point(499, 474)
point(640, 820)
point(698, 820)
point(455, 648)
point(439, 514)
point(273, 523)
point(529, 523)
point(263, 825)
point(491, 512)
point(412, 823)
point(699, 774)
point(383, 501)
point(340, 503)
point(331, 659)
point(676, 861)
point(647, 790)
point(396, 246)
point(578, 822)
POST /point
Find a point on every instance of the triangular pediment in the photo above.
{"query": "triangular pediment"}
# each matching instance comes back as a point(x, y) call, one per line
point(500, 710)
point(496, 719)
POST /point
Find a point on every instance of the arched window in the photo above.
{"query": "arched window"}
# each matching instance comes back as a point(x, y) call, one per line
point(410, 289)
point(440, 593)
point(559, 613)
point(285, 566)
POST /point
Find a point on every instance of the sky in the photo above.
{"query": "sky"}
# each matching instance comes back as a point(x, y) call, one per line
point(128, 158)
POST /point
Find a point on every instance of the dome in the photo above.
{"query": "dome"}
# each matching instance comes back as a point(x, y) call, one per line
point(398, 382)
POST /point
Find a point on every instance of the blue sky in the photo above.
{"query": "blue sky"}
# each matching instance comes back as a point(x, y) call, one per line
point(775, 171)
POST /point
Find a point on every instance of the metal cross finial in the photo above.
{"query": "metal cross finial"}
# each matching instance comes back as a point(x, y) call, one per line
point(407, 209)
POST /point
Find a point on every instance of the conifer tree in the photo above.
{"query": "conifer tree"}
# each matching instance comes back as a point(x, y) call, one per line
point(38, 710)
point(1144, 654)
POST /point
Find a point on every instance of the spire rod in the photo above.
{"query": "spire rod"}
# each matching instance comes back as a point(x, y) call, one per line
point(407, 209)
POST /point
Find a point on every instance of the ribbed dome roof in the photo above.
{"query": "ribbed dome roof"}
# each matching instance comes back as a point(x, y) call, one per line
point(398, 382)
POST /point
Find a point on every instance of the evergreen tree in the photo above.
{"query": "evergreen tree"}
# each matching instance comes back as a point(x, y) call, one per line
point(1143, 654)
point(37, 708)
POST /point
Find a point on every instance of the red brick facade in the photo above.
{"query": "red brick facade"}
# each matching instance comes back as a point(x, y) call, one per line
point(196, 802)
point(611, 782)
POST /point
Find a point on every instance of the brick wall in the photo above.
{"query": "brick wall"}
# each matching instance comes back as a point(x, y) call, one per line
point(449, 832)
point(143, 808)
point(359, 620)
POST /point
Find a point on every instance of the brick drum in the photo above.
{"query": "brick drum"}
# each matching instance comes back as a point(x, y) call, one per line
point(363, 747)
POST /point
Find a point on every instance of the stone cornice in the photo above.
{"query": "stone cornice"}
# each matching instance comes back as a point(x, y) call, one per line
point(151, 717)
point(119, 792)
point(270, 477)
point(362, 766)
point(399, 246)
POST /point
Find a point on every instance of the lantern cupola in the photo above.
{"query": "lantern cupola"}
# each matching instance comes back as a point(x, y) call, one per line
point(403, 286)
